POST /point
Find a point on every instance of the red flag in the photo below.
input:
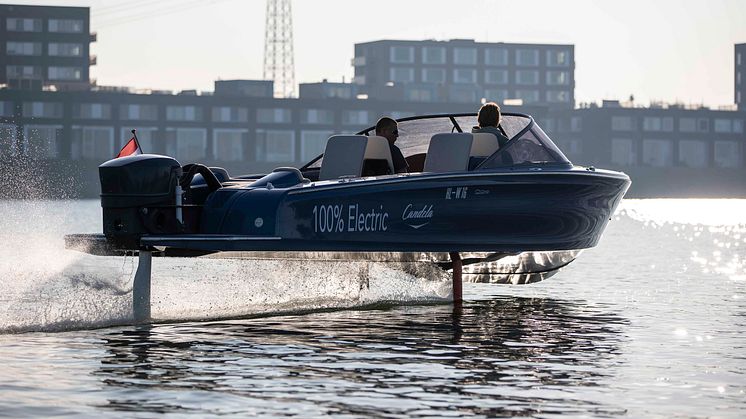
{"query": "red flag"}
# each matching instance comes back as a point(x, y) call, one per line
point(130, 149)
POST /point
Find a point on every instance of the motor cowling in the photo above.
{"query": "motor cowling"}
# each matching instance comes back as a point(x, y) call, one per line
point(138, 196)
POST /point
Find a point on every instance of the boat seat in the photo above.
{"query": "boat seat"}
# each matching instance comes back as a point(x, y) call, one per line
point(454, 152)
point(356, 155)
point(484, 145)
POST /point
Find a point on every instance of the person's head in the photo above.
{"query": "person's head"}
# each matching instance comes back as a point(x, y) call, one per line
point(388, 128)
point(489, 115)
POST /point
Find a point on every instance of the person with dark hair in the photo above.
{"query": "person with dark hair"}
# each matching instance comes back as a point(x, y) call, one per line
point(388, 128)
point(488, 119)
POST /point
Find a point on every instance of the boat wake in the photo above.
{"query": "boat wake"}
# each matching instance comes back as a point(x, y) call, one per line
point(47, 288)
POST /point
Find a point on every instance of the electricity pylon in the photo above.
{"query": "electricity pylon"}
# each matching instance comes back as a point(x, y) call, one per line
point(278, 48)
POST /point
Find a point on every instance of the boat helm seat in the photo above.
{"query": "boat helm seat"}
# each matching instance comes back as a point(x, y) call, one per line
point(454, 152)
point(355, 156)
point(484, 145)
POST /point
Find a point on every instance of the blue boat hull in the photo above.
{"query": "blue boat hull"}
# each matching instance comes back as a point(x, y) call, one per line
point(502, 211)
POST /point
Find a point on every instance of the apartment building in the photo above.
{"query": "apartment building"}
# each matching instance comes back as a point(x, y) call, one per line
point(42, 46)
point(464, 71)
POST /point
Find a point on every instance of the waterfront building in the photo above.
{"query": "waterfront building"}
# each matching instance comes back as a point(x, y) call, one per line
point(465, 71)
point(667, 149)
point(45, 46)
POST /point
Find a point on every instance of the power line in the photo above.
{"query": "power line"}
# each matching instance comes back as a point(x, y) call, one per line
point(117, 8)
point(172, 9)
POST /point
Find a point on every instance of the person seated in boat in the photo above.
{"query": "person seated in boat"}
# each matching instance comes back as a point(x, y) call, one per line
point(488, 119)
point(388, 128)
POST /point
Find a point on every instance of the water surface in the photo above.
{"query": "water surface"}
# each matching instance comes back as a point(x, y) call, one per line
point(649, 323)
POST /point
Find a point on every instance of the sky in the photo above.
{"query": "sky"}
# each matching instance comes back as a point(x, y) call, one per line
point(662, 50)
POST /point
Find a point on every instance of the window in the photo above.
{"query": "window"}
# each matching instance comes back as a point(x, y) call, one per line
point(23, 71)
point(6, 108)
point(401, 74)
point(558, 58)
point(464, 94)
point(93, 143)
point(183, 113)
point(495, 56)
point(465, 56)
point(312, 143)
point(23, 48)
point(433, 55)
point(17, 24)
point(527, 77)
point(703, 125)
point(342, 92)
point(92, 111)
point(496, 77)
point(622, 123)
point(527, 96)
point(527, 57)
point(66, 25)
point(433, 75)
point(41, 140)
point(186, 144)
point(693, 153)
point(687, 125)
point(558, 96)
point(65, 73)
point(727, 154)
point(8, 141)
point(275, 145)
point(59, 49)
point(355, 118)
point(464, 75)
point(657, 153)
point(655, 123)
point(558, 78)
point(738, 58)
point(42, 109)
point(401, 54)
point(417, 94)
point(576, 124)
point(317, 116)
point(228, 144)
point(738, 78)
point(723, 125)
point(146, 136)
point(230, 114)
point(138, 112)
point(273, 115)
point(623, 152)
point(738, 126)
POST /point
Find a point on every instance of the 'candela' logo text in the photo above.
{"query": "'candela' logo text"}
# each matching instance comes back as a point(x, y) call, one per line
point(417, 217)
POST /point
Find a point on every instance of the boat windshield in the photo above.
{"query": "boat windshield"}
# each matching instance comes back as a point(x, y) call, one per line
point(533, 144)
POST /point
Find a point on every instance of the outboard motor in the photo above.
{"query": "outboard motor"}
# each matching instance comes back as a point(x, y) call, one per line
point(138, 196)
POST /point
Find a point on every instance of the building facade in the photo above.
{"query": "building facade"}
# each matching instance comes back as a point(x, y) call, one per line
point(466, 71)
point(668, 150)
point(43, 46)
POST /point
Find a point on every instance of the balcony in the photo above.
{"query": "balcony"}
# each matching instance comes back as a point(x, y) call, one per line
point(92, 37)
point(92, 59)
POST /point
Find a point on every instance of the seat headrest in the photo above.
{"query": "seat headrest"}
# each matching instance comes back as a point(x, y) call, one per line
point(345, 155)
point(448, 152)
point(484, 144)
